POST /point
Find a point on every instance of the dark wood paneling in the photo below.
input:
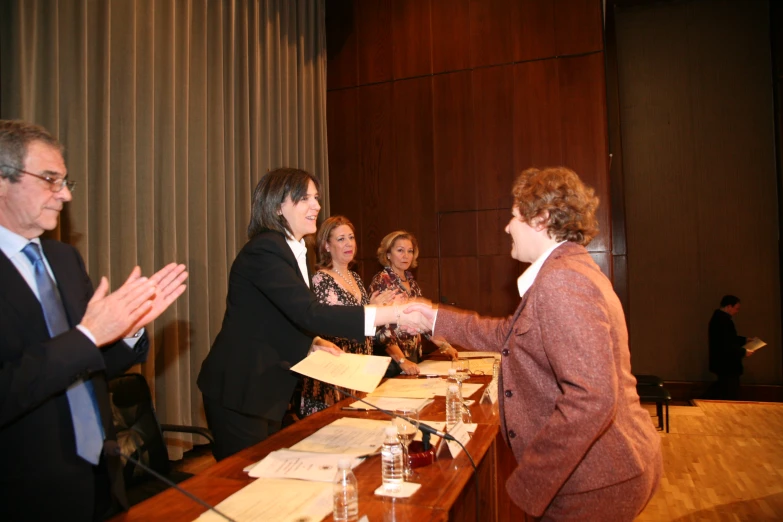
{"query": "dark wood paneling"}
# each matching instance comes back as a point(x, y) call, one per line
point(498, 294)
point(345, 194)
point(455, 181)
point(604, 260)
point(578, 26)
point(534, 29)
point(492, 135)
point(450, 35)
point(491, 42)
point(376, 166)
point(427, 277)
point(413, 154)
point(412, 38)
point(458, 234)
point(459, 281)
point(537, 120)
point(373, 22)
point(341, 52)
point(583, 102)
point(620, 282)
point(492, 237)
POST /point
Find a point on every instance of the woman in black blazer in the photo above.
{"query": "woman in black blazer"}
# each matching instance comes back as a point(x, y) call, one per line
point(272, 317)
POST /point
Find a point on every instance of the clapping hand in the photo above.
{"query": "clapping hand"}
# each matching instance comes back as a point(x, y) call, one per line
point(113, 315)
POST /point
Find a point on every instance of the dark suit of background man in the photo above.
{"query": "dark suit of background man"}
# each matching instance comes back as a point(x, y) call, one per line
point(726, 350)
point(59, 339)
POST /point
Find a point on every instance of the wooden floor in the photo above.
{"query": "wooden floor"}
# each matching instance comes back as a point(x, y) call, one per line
point(723, 461)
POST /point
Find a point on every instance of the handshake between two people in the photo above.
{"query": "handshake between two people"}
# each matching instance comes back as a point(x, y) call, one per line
point(111, 316)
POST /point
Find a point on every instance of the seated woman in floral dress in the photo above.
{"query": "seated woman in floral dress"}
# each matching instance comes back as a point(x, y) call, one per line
point(336, 284)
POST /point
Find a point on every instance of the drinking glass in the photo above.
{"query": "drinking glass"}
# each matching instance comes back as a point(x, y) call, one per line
point(406, 431)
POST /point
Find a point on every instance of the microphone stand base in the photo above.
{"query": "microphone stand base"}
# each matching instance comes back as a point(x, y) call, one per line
point(418, 457)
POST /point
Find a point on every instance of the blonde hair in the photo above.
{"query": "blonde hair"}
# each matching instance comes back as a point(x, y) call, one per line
point(387, 243)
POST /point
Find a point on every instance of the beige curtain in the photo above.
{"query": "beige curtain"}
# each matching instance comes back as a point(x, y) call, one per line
point(170, 111)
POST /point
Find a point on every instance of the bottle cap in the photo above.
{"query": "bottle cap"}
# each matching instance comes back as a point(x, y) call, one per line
point(344, 464)
point(453, 388)
point(391, 431)
point(452, 371)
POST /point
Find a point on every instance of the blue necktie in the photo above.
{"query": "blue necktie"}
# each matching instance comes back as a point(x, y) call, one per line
point(87, 426)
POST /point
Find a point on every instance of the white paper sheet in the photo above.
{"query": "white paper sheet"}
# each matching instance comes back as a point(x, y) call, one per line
point(356, 437)
point(389, 404)
point(320, 467)
point(276, 500)
point(349, 370)
point(478, 355)
point(478, 366)
point(409, 388)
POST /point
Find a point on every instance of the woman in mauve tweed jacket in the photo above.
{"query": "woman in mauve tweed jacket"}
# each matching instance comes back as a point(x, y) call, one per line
point(585, 448)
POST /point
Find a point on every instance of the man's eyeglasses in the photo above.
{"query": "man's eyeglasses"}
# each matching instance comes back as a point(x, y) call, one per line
point(55, 184)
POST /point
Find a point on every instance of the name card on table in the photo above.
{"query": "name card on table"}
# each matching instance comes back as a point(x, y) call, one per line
point(460, 432)
point(490, 394)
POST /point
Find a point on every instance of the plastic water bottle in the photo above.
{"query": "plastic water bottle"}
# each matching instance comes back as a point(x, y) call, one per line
point(346, 493)
point(392, 461)
point(453, 405)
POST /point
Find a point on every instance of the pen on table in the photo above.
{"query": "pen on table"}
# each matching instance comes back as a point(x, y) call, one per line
point(348, 408)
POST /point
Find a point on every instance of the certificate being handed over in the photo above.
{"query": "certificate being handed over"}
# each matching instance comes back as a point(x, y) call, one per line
point(349, 370)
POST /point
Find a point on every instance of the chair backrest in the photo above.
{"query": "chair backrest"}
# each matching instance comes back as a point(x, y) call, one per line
point(138, 431)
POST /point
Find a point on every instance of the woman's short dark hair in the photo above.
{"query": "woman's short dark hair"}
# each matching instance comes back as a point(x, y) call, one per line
point(270, 194)
point(387, 243)
point(570, 203)
point(323, 236)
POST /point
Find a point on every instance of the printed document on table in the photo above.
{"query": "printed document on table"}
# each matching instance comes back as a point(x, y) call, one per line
point(478, 355)
point(356, 437)
point(276, 500)
point(349, 370)
point(389, 404)
point(479, 366)
point(301, 465)
point(409, 388)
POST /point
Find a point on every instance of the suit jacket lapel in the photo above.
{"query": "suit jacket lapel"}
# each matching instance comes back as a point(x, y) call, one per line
point(20, 297)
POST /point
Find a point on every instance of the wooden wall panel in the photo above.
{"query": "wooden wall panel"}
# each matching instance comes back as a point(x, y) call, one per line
point(491, 42)
point(373, 22)
point(492, 237)
point(492, 135)
point(459, 281)
point(533, 29)
point(412, 38)
point(458, 234)
point(376, 166)
point(583, 101)
point(427, 276)
point(578, 26)
point(345, 195)
point(537, 115)
point(341, 45)
point(450, 35)
point(498, 294)
point(413, 193)
point(455, 180)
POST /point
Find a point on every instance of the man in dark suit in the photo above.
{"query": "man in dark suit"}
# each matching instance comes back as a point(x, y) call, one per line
point(726, 350)
point(60, 342)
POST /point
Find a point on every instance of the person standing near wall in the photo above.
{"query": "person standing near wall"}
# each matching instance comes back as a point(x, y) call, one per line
point(726, 350)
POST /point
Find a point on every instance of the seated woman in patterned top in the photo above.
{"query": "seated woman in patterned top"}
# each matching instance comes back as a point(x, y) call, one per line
point(398, 253)
point(336, 285)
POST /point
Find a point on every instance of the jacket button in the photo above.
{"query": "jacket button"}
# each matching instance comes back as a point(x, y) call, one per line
point(512, 434)
point(505, 351)
point(509, 393)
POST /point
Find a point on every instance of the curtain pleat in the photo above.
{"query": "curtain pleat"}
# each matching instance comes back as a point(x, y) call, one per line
point(170, 112)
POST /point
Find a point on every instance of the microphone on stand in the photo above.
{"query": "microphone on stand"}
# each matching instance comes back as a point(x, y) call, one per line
point(112, 449)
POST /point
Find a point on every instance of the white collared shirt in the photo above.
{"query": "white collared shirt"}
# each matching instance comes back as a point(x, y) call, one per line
point(528, 277)
point(300, 254)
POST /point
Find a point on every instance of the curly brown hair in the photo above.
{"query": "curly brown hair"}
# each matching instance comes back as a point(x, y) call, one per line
point(322, 238)
point(570, 203)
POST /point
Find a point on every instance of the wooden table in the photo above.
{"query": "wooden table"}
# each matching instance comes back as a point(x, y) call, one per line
point(448, 489)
